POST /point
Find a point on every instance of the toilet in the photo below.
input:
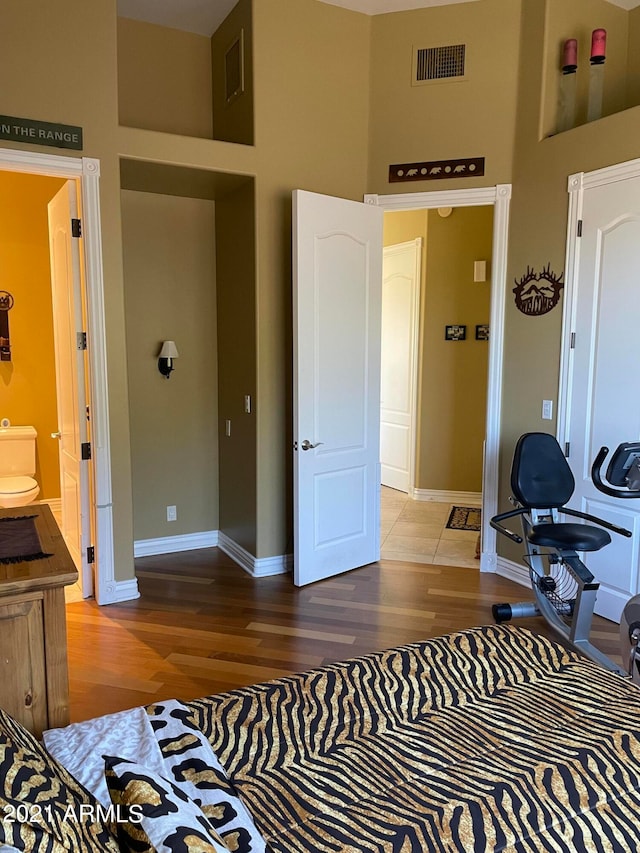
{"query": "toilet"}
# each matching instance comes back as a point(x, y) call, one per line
point(17, 466)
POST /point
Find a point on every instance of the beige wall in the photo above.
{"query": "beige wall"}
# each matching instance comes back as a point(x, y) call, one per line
point(169, 272)
point(403, 225)
point(233, 120)
point(28, 381)
point(453, 389)
point(538, 236)
point(61, 59)
point(577, 19)
point(164, 79)
point(236, 286)
point(452, 377)
point(444, 120)
point(311, 133)
point(633, 79)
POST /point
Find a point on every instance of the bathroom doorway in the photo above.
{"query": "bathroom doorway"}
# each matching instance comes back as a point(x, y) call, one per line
point(52, 325)
point(43, 383)
point(68, 297)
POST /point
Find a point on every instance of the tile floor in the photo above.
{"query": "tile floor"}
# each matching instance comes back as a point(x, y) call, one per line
point(415, 531)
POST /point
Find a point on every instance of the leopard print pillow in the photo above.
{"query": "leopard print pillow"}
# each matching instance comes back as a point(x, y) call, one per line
point(154, 815)
point(194, 768)
point(42, 807)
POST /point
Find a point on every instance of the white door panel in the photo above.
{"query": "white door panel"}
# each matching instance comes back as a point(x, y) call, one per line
point(400, 307)
point(604, 381)
point(616, 565)
point(70, 378)
point(337, 292)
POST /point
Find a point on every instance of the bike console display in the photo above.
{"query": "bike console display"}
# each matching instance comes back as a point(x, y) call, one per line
point(623, 471)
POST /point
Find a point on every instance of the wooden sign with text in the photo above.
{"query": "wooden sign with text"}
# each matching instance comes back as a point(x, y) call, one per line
point(40, 132)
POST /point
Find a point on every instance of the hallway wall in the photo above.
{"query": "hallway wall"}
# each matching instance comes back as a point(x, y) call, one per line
point(452, 375)
point(169, 273)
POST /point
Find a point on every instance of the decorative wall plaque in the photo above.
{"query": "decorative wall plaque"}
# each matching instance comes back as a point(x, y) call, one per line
point(40, 132)
point(537, 293)
point(6, 304)
point(455, 333)
point(434, 170)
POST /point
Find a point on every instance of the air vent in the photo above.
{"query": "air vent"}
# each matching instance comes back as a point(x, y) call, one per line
point(438, 63)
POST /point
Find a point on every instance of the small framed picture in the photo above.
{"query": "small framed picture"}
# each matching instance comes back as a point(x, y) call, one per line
point(455, 333)
point(482, 332)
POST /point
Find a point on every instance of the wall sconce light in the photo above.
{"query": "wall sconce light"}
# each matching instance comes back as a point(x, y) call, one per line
point(167, 354)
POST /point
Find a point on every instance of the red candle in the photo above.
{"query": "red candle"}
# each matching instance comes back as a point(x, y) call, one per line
point(598, 46)
point(570, 55)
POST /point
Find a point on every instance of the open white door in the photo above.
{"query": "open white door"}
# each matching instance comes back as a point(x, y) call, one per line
point(337, 272)
point(603, 391)
point(399, 360)
point(66, 287)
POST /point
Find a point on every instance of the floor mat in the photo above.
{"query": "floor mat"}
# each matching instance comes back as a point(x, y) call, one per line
point(465, 518)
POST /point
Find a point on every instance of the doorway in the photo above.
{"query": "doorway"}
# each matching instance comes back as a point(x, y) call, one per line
point(598, 401)
point(43, 385)
point(451, 388)
point(84, 173)
point(498, 198)
point(350, 241)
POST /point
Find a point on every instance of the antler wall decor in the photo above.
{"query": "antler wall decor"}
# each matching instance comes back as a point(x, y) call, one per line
point(536, 293)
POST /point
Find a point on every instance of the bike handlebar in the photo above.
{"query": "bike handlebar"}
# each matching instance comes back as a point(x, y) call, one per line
point(605, 488)
point(495, 523)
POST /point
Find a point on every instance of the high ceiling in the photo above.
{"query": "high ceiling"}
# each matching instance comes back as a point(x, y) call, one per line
point(204, 16)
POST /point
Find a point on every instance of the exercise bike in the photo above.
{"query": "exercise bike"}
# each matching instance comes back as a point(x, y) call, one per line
point(565, 590)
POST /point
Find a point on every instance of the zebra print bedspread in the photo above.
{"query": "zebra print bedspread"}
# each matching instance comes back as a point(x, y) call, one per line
point(489, 739)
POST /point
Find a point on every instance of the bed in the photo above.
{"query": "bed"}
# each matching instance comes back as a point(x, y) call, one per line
point(493, 738)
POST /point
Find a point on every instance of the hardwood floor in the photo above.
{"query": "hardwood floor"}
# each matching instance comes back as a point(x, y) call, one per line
point(202, 625)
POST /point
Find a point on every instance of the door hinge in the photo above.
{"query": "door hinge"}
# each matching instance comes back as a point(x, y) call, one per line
point(91, 554)
point(76, 228)
point(85, 450)
point(567, 448)
point(82, 340)
point(572, 343)
point(579, 227)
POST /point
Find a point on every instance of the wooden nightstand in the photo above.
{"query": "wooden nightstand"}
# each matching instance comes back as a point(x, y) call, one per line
point(34, 681)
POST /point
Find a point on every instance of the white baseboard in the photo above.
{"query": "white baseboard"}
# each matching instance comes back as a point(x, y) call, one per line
point(117, 591)
point(488, 562)
point(172, 544)
point(256, 567)
point(443, 496)
point(513, 571)
point(54, 503)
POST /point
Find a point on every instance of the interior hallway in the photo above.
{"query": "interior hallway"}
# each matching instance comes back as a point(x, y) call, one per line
point(416, 531)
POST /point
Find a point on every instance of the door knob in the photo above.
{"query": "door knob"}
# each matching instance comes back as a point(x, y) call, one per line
point(56, 435)
point(306, 444)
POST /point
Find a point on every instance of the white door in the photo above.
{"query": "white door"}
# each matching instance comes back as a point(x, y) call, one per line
point(66, 289)
point(604, 383)
point(399, 368)
point(337, 269)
